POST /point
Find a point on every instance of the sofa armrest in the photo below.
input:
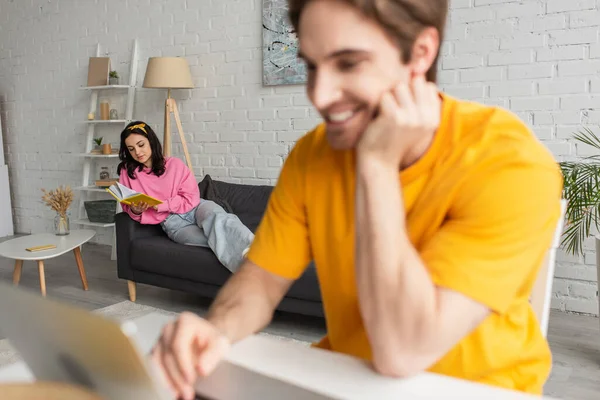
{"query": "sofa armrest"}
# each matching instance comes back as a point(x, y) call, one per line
point(127, 231)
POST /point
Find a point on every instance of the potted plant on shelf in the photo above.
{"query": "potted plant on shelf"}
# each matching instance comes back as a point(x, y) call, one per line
point(98, 147)
point(113, 78)
point(582, 192)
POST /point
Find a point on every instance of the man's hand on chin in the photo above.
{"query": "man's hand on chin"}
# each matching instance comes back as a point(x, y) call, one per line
point(407, 118)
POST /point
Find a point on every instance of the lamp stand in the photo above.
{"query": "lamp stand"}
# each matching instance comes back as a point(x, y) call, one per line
point(171, 107)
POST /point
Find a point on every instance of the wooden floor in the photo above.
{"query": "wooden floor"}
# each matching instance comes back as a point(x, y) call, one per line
point(575, 340)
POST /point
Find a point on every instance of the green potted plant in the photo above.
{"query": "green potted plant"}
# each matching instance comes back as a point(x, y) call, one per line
point(582, 192)
point(98, 147)
point(113, 78)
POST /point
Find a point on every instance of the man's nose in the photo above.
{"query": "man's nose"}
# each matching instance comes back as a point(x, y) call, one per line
point(325, 91)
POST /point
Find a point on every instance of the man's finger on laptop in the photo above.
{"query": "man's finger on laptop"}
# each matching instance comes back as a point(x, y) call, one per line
point(168, 361)
point(183, 346)
point(159, 369)
point(212, 354)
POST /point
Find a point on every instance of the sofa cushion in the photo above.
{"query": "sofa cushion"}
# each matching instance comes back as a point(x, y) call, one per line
point(241, 198)
point(209, 191)
point(160, 255)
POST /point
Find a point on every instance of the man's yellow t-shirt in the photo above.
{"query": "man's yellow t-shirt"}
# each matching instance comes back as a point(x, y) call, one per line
point(481, 207)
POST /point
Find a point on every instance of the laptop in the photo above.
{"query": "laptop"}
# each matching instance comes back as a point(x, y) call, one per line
point(63, 343)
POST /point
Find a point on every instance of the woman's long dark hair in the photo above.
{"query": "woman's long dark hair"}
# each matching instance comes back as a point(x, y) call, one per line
point(127, 161)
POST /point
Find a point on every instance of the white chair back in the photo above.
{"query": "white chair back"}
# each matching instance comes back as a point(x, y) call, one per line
point(541, 294)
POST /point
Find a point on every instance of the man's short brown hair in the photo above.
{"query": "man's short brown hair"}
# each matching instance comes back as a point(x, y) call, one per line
point(403, 20)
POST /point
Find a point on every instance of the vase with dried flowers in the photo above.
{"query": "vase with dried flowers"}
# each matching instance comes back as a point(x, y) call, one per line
point(59, 200)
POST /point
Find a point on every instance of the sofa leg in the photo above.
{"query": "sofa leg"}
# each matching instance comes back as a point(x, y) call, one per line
point(131, 286)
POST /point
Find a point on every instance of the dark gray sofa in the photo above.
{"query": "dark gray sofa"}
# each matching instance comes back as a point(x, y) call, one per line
point(146, 255)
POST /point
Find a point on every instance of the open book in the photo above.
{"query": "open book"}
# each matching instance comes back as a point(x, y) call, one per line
point(128, 196)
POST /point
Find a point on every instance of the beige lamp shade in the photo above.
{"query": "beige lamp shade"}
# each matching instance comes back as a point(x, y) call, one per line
point(168, 73)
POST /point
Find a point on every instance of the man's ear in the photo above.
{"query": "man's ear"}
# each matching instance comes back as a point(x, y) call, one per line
point(424, 51)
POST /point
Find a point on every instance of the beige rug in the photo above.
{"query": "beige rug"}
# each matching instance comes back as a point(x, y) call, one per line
point(123, 311)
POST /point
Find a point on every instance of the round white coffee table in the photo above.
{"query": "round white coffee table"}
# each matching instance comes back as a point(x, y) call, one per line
point(15, 249)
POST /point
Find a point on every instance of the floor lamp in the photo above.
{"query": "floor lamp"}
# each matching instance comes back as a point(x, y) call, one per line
point(170, 73)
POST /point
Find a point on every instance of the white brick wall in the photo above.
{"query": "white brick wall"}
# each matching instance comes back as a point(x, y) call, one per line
point(540, 58)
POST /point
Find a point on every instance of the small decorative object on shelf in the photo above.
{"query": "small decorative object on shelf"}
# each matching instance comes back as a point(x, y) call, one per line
point(98, 148)
point(113, 78)
point(114, 114)
point(59, 200)
point(104, 111)
point(90, 116)
point(106, 149)
point(104, 174)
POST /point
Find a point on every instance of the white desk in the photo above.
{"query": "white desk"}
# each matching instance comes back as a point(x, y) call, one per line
point(333, 374)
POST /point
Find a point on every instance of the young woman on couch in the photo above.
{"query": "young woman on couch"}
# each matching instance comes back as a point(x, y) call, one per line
point(184, 217)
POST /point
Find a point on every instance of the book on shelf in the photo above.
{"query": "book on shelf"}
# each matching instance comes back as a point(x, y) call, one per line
point(127, 196)
point(106, 183)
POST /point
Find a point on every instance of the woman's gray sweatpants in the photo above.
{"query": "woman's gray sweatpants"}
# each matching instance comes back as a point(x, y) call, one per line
point(209, 225)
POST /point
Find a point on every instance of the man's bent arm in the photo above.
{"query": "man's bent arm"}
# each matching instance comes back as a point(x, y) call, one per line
point(246, 303)
point(410, 322)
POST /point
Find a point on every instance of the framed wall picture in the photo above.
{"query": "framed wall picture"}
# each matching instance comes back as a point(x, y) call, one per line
point(281, 65)
point(98, 71)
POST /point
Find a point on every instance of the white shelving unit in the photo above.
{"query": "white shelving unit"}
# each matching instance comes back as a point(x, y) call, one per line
point(87, 185)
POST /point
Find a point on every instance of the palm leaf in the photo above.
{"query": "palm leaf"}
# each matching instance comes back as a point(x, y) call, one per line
point(582, 191)
point(588, 137)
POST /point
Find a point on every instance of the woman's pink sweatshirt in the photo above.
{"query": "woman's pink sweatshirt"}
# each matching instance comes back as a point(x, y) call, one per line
point(177, 188)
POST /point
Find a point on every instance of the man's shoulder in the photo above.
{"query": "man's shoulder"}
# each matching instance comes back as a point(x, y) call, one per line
point(313, 160)
point(478, 121)
point(494, 133)
point(312, 148)
point(493, 148)
point(311, 141)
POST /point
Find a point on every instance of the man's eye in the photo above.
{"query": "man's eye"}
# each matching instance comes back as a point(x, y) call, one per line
point(347, 65)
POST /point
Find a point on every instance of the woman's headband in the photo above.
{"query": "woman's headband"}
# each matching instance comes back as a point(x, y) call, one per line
point(140, 127)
